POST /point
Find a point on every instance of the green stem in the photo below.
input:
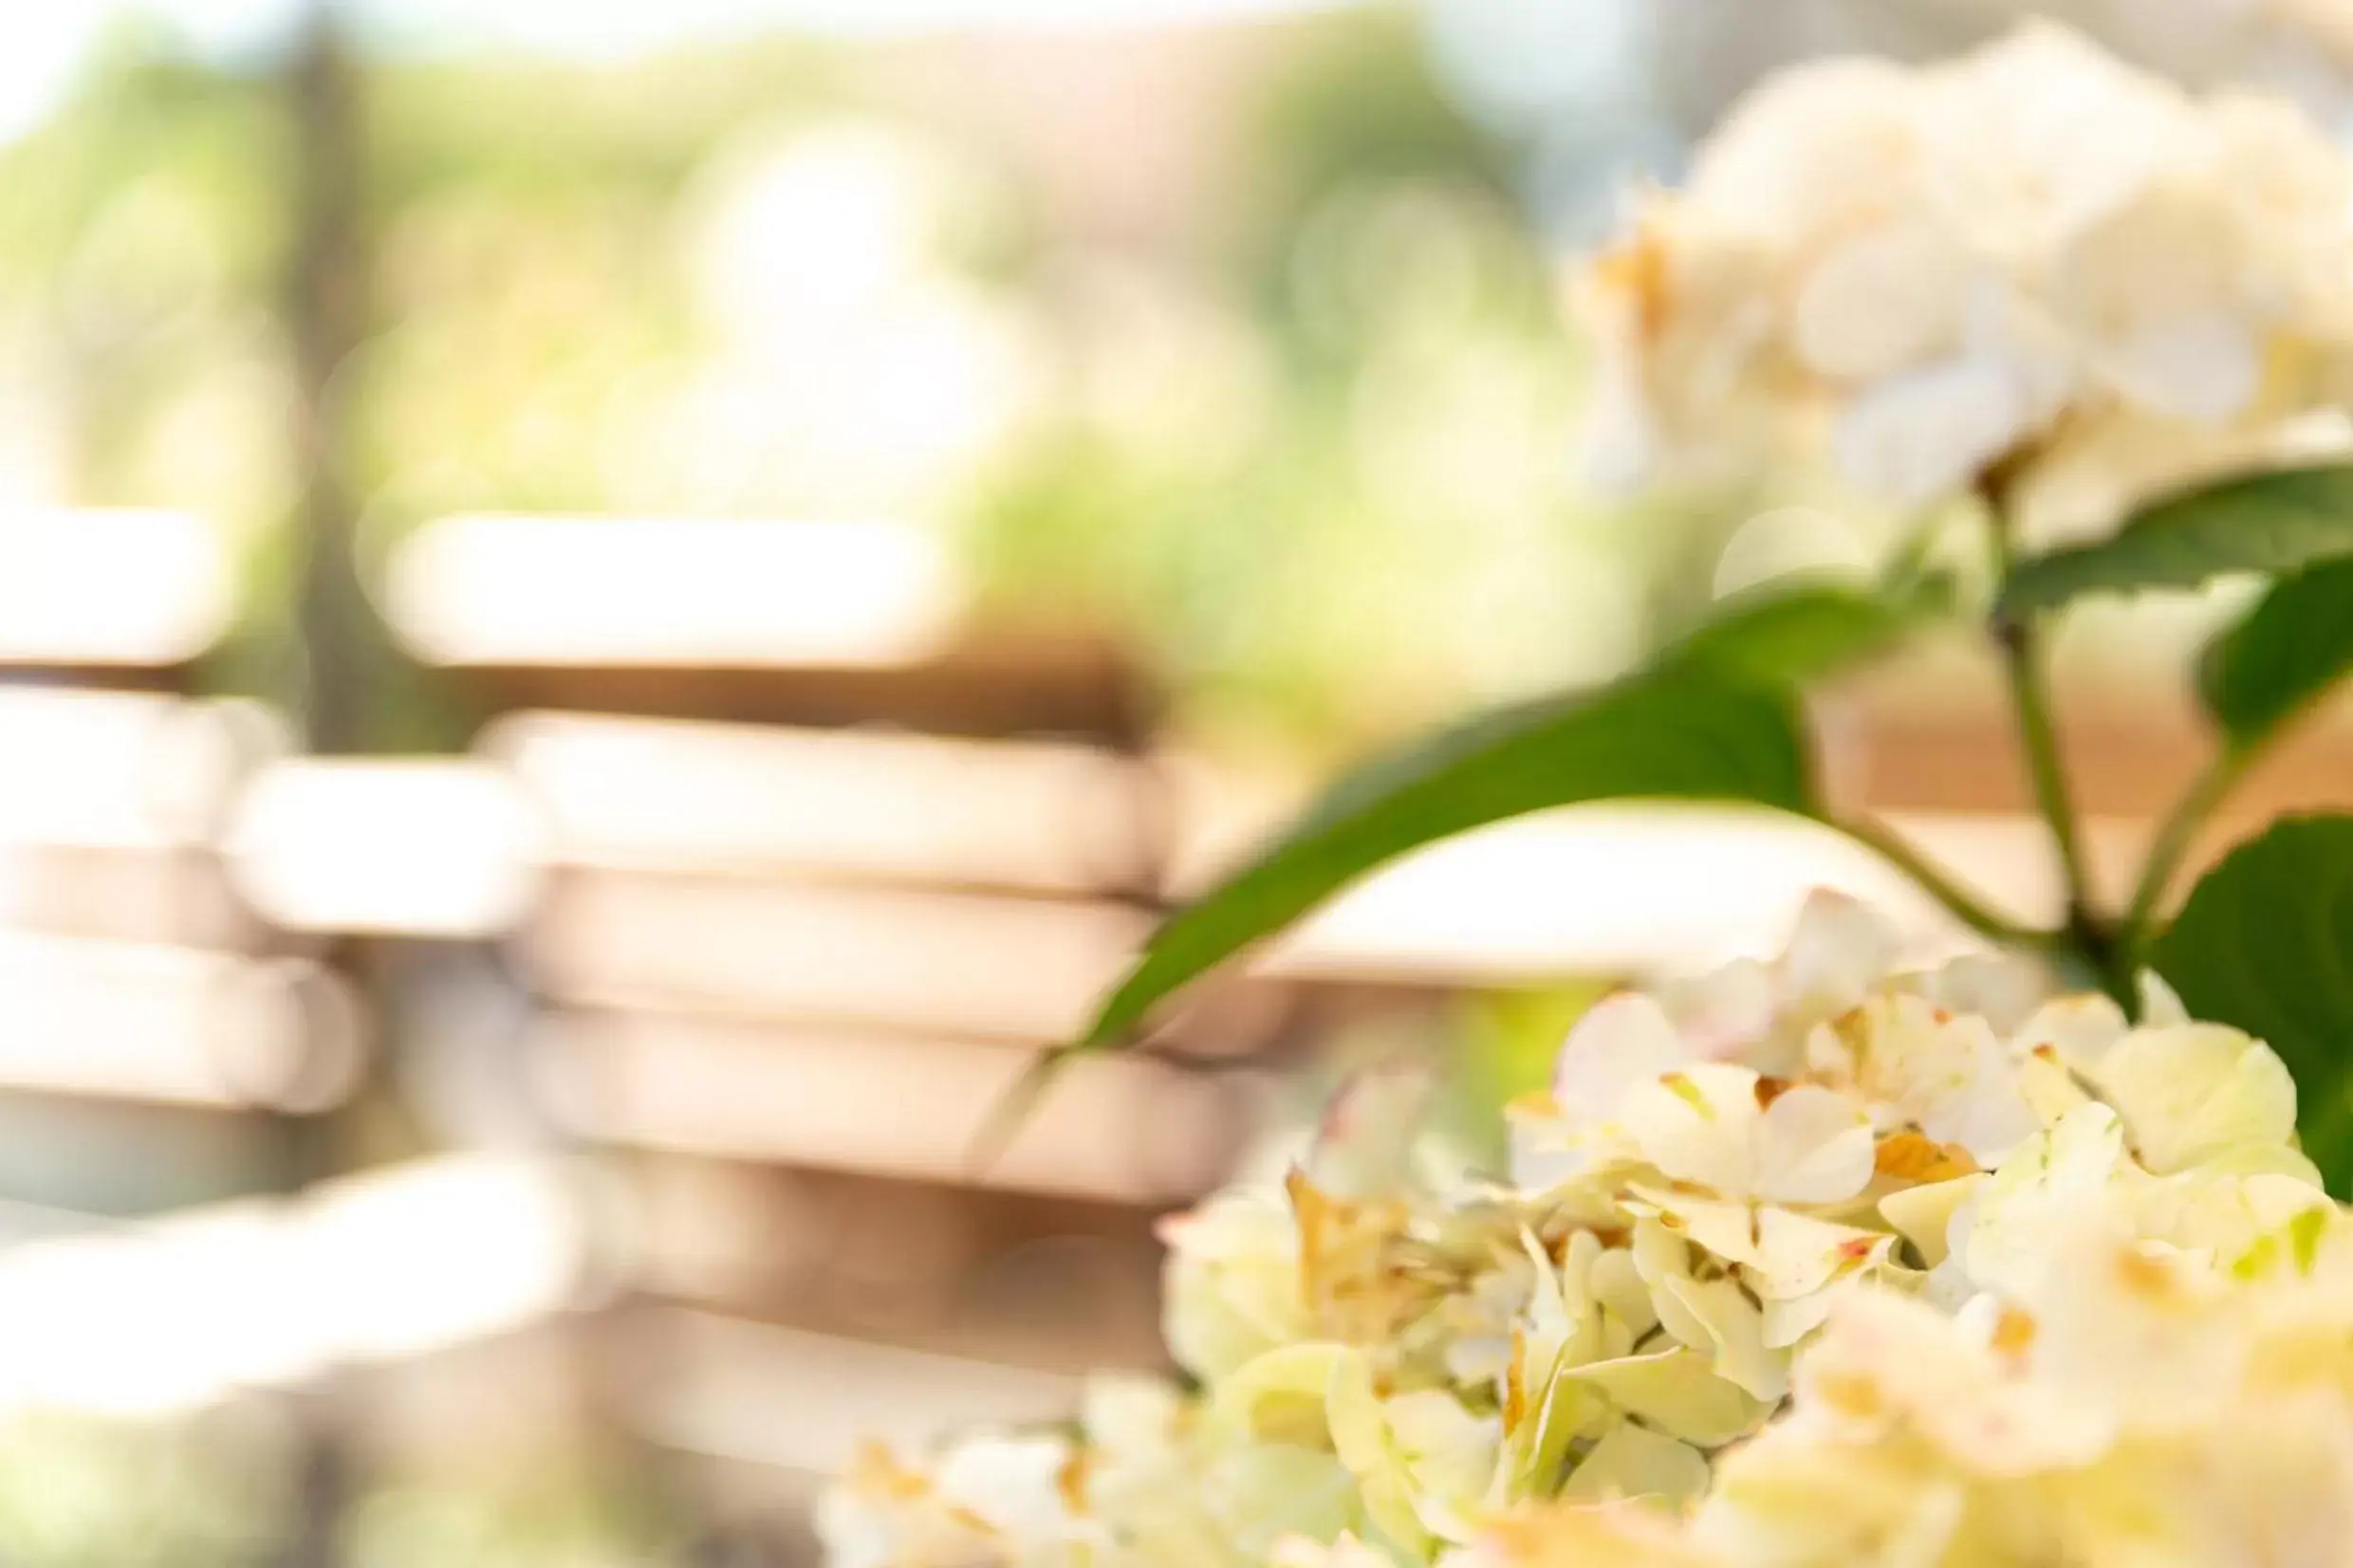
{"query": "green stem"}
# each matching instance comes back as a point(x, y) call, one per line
point(1966, 907)
point(2172, 845)
point(2031, 695)
point(2023, 665)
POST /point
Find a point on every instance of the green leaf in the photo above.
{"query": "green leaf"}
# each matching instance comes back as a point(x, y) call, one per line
point(1783, 636)
point(2283, 656)
point(1672, 735)
point(2266, 944)
point(2275, 522)
point(1715, 719)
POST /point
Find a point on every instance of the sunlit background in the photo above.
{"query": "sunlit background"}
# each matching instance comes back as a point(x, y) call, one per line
point(609, 611)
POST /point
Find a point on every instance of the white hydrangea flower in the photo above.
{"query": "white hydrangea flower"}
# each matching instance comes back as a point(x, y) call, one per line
point(1425, 1463)
point(1918, 1064)
point(2127, 1412)
point(1758, 1012)
point(990, 1500)
point(1808, 1262)
point(2198, 1092)
point(2137, 1408)
point(1621, 1042)
point(1735, 1132)
point(1768, 1016)
point(2031, 258)
point(2300, 50)
point(1231, 1283)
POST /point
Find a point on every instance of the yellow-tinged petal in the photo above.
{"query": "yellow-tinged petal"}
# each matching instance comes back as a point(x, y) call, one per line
point(1616, 1284)
point(1231, 1288)
point(1733, 1327)
point(1422, 1459)
point(1259, 1493)
point(1678, 1392)
point(1622, 1039)
point(1739, 1135)
point(2077, 1030)
point(2193, 1090)
point(1630, 1462)
point(1285, 1396)
point(1923, 1215)
point(1813, 1146)
point(2161, 1005)
point(1663, 1258)
point(1781, 1252)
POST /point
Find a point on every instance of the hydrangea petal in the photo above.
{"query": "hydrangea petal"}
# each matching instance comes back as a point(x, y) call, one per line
point(1622, 1039)
point(1678, 1391)
point(1812, 1146)
point(2191, 1092)
point(1630, 1462)
point(1733, 1327)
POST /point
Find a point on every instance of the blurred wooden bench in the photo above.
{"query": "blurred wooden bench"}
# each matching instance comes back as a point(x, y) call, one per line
point(119, 598)
point(818, 622)
point(823, 857)
point(150, 1025)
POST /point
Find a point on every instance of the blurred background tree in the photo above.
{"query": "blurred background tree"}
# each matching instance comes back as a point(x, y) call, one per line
point(1302, 430)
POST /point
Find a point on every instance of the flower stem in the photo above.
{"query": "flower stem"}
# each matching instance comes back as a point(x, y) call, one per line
point(2023, 664)
point(2031, 695)
point(1939, 884)
point(2172, 845)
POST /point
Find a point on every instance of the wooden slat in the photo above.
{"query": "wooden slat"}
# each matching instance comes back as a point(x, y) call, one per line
point(171, 1025)
point(994, 685)
point(399, 846)
point(1018, 969)
point(820, 621)
point(114, 591)
point(741, 800)
point(174, 897)
point(902, 1106)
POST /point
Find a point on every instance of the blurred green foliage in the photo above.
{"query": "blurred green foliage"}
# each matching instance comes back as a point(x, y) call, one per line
point(1313, 453)
point(219, 1490)
point(1349, 499)
point(554, 1519)
point(145, 228)
point(91, 1493)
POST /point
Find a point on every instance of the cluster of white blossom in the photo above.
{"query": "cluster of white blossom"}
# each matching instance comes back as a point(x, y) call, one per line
point(2300, 48)
point(2123, 1402)
point(2047, 1243)
point(2032, 262)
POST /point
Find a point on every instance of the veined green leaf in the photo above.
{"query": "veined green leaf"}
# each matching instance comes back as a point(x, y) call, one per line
point(1675, 734)
point(2272, 521)
point(2283, 656)
point(2266, 944)
point(1716, 718)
